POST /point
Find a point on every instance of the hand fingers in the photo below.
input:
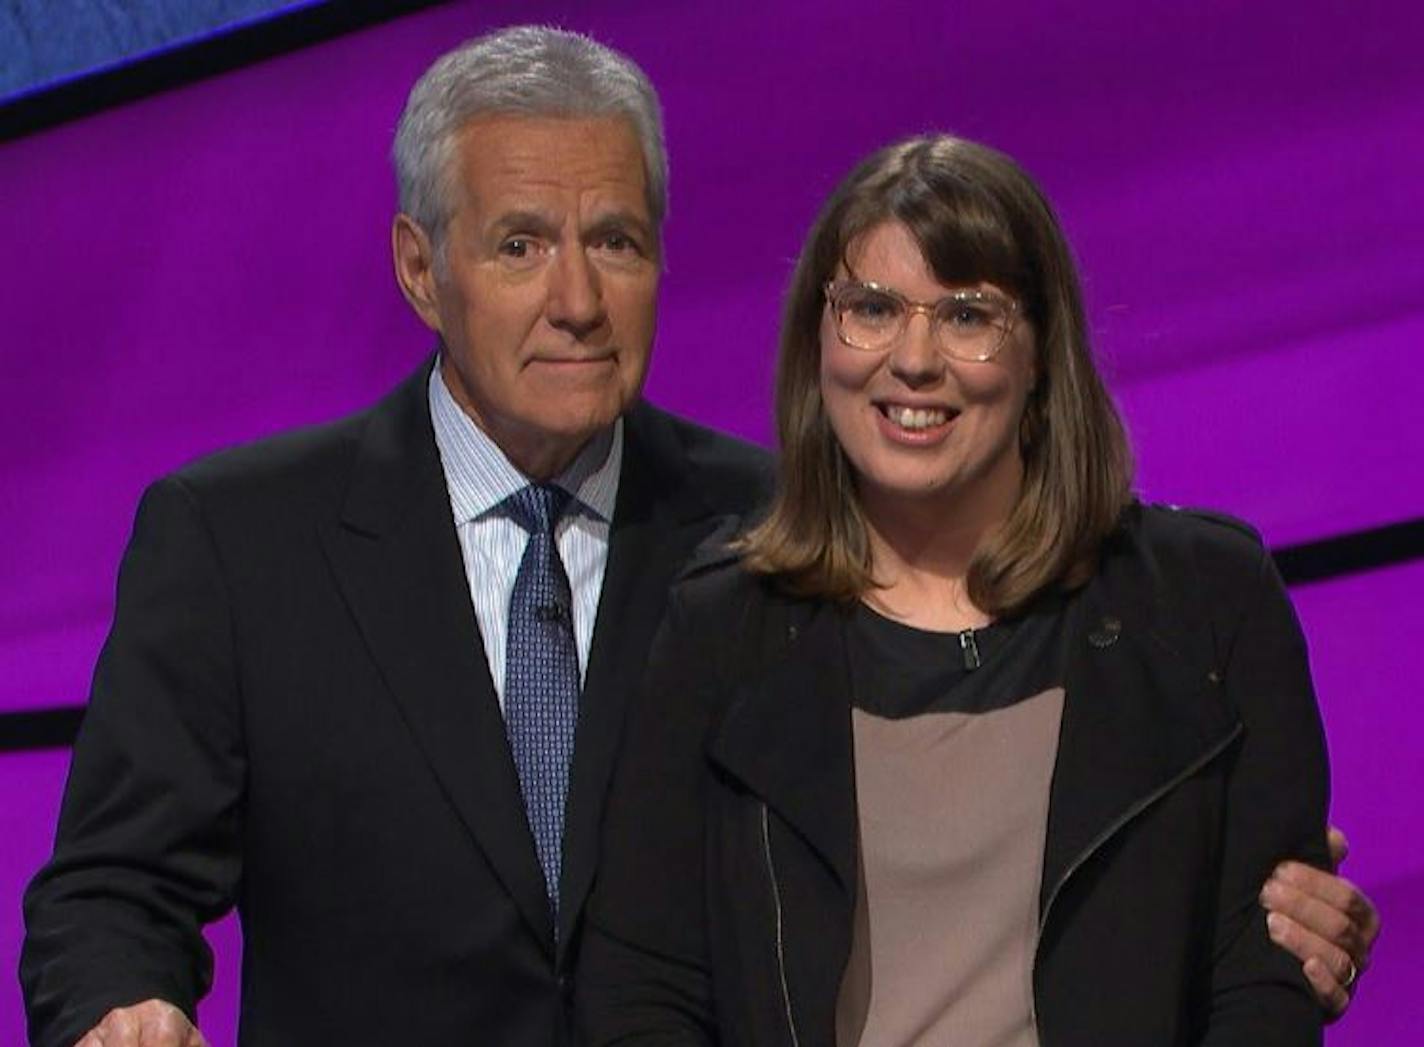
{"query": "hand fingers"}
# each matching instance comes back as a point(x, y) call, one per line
point(1334, 996)
point(165, 1026)
point(1339, 847)
point(1336, 893)
point(120, 1028)
point(1319, 918)
point(1312, 950)
point(152, 1023)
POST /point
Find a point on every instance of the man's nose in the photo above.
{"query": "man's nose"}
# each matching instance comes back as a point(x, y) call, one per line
point(575, 301)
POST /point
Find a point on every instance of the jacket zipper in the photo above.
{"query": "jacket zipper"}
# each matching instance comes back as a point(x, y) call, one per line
point(780, 943)
point(1097, 842)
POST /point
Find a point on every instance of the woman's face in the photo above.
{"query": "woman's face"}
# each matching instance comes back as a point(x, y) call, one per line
point(917, 425)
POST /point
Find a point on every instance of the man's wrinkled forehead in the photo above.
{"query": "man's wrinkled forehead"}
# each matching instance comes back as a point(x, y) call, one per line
point(598, 158)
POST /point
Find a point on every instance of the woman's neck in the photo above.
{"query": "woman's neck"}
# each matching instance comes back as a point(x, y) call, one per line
point(920, 554)
point(920, 586)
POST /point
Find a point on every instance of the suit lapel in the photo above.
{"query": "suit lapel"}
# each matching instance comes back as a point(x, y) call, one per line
point(658, 521)
point(397, 560)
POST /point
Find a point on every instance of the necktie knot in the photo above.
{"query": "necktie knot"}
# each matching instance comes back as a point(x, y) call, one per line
point(537, 507)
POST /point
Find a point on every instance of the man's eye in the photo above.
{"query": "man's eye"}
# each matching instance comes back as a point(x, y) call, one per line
point(517, 247)
point(619, 243)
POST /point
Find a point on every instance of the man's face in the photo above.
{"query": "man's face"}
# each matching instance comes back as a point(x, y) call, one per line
point(548, 296)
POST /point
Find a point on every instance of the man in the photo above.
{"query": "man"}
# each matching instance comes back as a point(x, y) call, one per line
point(366, 681)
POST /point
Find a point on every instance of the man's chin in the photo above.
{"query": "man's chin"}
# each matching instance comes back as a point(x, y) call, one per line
point(548, 442)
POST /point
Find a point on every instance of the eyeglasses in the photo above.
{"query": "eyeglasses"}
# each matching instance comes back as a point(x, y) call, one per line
point(965, 325)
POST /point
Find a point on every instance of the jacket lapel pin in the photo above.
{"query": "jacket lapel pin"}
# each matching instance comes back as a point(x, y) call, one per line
point(1106, 633)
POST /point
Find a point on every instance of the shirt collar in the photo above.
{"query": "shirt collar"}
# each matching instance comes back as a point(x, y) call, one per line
point(479, 477)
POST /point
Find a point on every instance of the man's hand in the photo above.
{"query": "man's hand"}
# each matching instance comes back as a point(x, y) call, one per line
point(1326, 922)
point(152, 1023)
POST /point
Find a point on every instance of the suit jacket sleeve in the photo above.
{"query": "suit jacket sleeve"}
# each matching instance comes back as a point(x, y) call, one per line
point(1276, 807)
point(644, 974)
point(147, 845)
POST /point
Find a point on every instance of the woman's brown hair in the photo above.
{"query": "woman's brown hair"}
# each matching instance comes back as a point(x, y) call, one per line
point(977, 216)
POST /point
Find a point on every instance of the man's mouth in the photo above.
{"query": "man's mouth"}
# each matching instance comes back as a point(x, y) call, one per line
point(575, 361)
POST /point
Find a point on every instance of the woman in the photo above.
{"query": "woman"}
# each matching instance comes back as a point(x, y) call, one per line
point(964, 746)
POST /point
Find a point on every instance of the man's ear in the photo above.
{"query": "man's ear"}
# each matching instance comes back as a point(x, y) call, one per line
point(414, 258)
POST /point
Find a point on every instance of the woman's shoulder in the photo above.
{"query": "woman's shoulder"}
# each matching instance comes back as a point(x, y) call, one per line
point(730, 620)
point(715, 577)
point(719, 588)
point(1188, 531)
point(1195, 549)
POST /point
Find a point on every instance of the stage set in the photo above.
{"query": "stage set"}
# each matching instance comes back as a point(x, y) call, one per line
point(208, 262)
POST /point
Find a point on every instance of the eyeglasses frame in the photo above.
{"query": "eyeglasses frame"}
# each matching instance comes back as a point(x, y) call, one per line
point(831, 288)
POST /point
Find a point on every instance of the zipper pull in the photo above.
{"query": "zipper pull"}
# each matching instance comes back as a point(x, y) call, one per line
point(970, 649)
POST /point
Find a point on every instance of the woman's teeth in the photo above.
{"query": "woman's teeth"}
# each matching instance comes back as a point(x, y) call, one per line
point(916, 417)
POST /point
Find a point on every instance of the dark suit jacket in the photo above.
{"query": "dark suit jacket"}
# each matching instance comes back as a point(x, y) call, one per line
point(1190, 760)
point(293, 714)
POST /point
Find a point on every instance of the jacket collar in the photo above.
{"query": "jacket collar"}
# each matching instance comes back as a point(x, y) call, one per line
point(787, 734)
point(1141, 708)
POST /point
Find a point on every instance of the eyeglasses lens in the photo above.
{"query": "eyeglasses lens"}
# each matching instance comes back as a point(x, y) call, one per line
point(971, 328)
point(869, 319)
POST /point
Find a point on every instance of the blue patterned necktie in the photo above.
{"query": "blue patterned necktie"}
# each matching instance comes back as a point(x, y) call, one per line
point(541, 675)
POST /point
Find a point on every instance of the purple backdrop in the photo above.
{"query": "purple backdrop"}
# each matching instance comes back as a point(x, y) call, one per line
point(211, 264)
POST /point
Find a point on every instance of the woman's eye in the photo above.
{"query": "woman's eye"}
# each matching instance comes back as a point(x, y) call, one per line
point(964, 314)
point(872, 308)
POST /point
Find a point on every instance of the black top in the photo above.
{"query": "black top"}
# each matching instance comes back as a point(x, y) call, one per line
point(898, 670)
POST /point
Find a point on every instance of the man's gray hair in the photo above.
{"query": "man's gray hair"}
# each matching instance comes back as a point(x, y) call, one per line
point(524, 70)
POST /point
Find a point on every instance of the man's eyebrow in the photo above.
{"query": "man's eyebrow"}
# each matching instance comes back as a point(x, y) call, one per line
point(619, 221)
point(525, 221)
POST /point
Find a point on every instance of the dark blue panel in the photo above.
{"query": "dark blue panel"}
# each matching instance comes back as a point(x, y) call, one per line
point(46, 41)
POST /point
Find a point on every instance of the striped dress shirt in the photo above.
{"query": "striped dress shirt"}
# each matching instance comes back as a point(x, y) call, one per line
point(479, 478)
